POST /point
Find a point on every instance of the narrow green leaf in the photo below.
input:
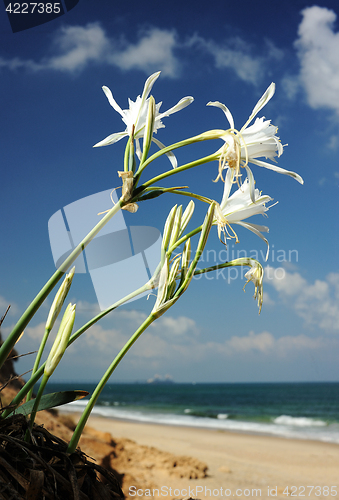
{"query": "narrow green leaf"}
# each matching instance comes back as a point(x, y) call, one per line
point(51, 400)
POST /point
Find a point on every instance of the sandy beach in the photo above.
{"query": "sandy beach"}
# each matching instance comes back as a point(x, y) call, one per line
point(239, 465)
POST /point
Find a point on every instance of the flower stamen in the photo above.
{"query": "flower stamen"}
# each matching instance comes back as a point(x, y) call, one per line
point(230, 155)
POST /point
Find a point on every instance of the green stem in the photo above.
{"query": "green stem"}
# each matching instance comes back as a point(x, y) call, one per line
point(37, 399)
point(38, 358)
point(126, 155)
point(84, 417)
point(9, 343)
point(23, 391)
point(217, 266)
point(33, 380)
point(192, 164)
point(183, 239)
point(35, 377)
point(212, 134)
point(175, 190)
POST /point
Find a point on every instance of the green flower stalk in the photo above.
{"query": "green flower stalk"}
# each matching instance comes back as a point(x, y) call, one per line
point(149, 129)
point(54, 312)
point(175, 270)
point(151, 284)
point(96, 393)
point(61, 340)
point(55, 355)
point(175, 225)
point(168, 294)
point(168, 228)
point(15, 334)
point(205, 136)
point(59, 299)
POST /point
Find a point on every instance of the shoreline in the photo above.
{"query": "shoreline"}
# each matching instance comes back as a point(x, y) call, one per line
point(234, 460)
point(299, 436)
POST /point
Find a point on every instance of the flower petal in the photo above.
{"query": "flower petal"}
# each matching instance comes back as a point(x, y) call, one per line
point(261, 103)
point(227, 187)
point(255, 229)
point(112, 101)
point(251, 182)
point(162, 287)
point(148, 86)
point(169, 155)
point(185, 101)
point(225, 109)
point(111, 139)
point(279, 170)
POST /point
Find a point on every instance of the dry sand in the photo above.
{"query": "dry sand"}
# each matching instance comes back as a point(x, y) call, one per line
point(239, 465)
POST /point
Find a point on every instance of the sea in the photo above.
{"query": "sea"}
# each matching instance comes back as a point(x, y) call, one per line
point(289, 410)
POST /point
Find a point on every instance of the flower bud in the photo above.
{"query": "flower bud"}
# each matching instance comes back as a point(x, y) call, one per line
point(59, 300)
point(168, 228)
point(186, 255)
point(176, 227)
point(186, 216)
point(61, 340)
point(149, 128)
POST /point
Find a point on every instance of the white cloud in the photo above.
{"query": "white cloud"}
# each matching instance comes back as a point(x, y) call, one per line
point(76, 47)
point(36, 332)
point(316, 303)
point(125, 322)
point(176, 326)
point(246, 67)
point(153, 51)
point(262, 342)
point(172, 342)
point(267, 300)
point(318, 51)
point(266, 344)
point(291, 86)
point(86, 308)
point(237, 55)
point(179, 338)
point(16, 63)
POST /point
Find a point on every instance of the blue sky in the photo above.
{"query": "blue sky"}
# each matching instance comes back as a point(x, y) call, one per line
point(53, 111)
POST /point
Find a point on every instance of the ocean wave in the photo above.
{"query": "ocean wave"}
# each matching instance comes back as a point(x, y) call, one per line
point(299, 421)
point(284, 426)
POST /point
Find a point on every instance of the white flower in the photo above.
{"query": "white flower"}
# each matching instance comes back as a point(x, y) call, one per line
point(59, 300)
point(241, 205)
point(135, 118)
point(166, 287)
point(256, 274)
point(251, 142)
point(61, 340)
